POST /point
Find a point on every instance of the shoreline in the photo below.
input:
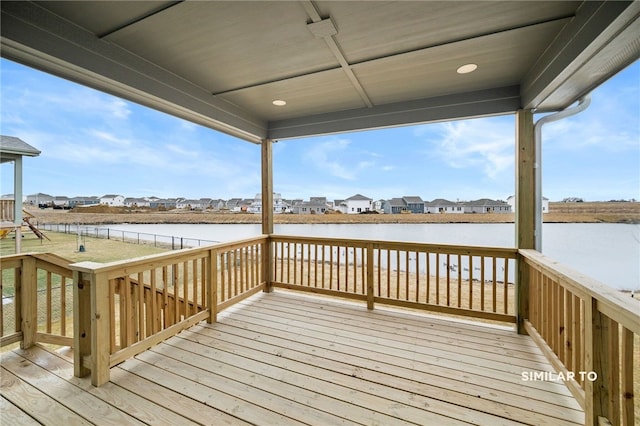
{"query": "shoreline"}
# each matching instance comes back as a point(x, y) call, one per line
point(624, 213)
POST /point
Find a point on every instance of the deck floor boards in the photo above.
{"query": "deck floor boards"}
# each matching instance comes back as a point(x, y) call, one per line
point(290, 358)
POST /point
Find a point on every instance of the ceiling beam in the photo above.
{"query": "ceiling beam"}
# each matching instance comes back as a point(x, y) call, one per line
point(595, 26)
point(496, 101)
point(327, 33)
point(40, 39)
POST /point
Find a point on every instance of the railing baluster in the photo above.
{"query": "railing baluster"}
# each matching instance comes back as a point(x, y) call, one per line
point(470, 282)
point(626, 377)
point(505, 290)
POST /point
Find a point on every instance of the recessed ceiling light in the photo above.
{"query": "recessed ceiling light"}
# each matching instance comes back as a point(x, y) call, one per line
point(465, 69)
point(279, 102)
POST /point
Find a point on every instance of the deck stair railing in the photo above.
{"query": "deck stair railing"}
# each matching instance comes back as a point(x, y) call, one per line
point(135, 304)
point(36, 300)
point(588, 331)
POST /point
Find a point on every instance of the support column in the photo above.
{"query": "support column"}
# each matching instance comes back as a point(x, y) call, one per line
point(267, 211)
point(525, 181)
point(17, 201)
point(525, 208)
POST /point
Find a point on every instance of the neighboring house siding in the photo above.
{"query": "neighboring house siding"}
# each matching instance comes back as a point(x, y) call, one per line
point(357, 204)
point(112, 200)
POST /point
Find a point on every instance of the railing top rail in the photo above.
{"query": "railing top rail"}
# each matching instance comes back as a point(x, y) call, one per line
point(508, 252)
point(610, 302)
point(45, 257)
point(131, 265)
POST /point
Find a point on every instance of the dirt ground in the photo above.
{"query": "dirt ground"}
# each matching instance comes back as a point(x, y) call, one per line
point(594, 212)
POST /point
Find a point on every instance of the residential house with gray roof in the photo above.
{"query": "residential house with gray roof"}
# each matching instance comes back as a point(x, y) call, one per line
point(356, 204)
point(440, 205)
point(315, 205)
point(485, 205)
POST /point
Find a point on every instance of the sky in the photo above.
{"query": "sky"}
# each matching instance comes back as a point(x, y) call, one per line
point(95, 144)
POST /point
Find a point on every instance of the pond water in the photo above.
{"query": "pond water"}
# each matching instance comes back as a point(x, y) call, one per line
point(609, 253)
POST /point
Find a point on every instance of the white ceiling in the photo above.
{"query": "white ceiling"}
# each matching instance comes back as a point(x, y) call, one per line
point(339, 65)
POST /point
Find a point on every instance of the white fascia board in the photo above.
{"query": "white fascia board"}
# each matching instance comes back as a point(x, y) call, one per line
point(498, 101)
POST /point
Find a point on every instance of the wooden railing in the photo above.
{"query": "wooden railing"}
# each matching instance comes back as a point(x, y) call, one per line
point(135, 304)
point(587, 331)
point(36, 300)
point(7, 212)
point(470, 281)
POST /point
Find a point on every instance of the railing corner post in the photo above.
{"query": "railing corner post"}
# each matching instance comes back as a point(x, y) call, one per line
point(91, 324)
point(267, 264)
point(522, 293)
point(100, 329)
point(29, 305)
point(81, 324)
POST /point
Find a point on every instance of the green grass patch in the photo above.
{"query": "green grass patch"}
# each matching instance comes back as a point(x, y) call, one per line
point(66, 245)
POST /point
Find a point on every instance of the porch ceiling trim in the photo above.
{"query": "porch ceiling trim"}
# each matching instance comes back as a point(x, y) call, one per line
point(503, 100)
point(603, 37)
point(555, 53)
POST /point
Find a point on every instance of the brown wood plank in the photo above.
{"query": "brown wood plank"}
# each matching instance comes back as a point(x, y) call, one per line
point(472, 354)
point(518, 346)
point(407, 365)
point(277, 381)
point(342, 381)
point(189, 409)
point(291, 358)
point(12, 415)
point(38, 404)
point(82, 403)
point(242, 385)
point(207, 395)
point(116, 396)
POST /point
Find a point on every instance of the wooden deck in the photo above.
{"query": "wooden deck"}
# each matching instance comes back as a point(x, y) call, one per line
point(289, 358)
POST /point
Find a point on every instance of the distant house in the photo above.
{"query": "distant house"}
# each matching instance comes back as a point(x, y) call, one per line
point(188, 204)
point(379, 205)
point(356, 204)
point(218, 204)
point(315, 205)
point(40, 199)
point(414, 204)
point(485, 205)
point(61, 202)
point(112, 200)
point(165, 203)
point(440, 205)
point(512, 202)
point(279, 206)
point(83, 201)
point(136, 202)
point(394, 206)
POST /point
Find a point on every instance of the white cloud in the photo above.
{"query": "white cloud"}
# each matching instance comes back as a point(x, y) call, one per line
point(325, 156)
point(484, 144)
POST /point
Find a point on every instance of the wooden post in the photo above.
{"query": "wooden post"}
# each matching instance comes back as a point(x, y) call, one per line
point(525, 208)
point(212, 290)
point(29, 302)
point(267, 212)
point(370, 294)
point(81, 324)
point(100, 329)
point(597, 360)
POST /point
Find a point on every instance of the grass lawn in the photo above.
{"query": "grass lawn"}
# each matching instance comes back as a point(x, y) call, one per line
point(66, 245)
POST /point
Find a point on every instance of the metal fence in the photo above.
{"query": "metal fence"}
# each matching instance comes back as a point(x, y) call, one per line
point(164, 241)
